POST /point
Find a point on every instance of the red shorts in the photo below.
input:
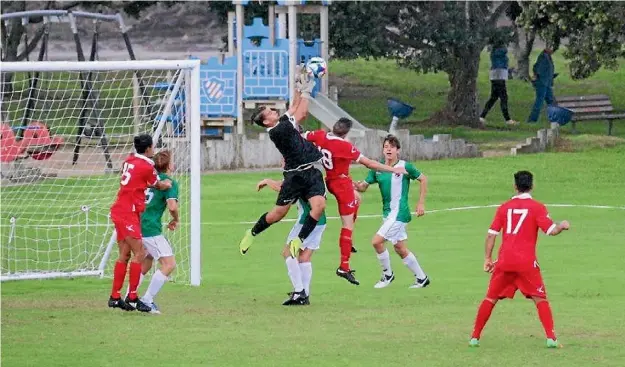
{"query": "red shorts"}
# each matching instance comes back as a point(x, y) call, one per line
point(127, 224)
point(343, 191)
point(505, 284)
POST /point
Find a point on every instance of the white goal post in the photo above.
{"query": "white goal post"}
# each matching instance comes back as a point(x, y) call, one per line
point(66, 129)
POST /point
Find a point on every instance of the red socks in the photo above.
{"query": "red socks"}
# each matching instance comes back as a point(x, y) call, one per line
point(483, 314)
point(546, 318)
point(119, 274)
point(345, 243)
point(135, 275)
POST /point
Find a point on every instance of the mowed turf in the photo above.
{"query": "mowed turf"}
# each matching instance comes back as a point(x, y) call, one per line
point(235, 317)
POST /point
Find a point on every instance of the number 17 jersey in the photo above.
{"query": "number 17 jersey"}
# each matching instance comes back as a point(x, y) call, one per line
point(519, 219)
point(338, 153)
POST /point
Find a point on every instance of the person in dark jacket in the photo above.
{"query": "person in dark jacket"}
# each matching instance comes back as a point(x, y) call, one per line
point(498, 76)
point(543, 82)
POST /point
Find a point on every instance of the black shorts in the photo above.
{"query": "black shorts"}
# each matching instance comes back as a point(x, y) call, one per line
point(301, 185)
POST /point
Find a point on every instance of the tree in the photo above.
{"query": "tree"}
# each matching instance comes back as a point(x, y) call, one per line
point(595, 32)
point(523, 42)
point(425, 37)
point(449, 37)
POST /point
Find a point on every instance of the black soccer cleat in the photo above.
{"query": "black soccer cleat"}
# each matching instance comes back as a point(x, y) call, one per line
point(348, 275)
point(354, 250)
point(296, 299)
point(119, 303)
point(139, 305)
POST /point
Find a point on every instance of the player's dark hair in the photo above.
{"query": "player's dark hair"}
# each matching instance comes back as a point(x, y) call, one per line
point(142, 143)
point(524, 181)
point(162, 160)
point(392, 140)
point(258, 116)
point(342, 127)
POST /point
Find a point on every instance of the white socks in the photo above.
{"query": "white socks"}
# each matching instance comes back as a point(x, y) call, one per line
point(292, 265)
point(138, 285)
point(306, 270)
point(410, 261)
point(385, 262)
point(158, 279)
point(412, 264)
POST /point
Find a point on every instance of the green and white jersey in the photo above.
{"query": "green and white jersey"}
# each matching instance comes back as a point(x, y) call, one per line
point(394, 189)
point(155, 205)
point(303, 208)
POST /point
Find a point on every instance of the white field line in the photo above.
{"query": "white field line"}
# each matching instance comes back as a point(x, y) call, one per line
point(334, 218)
point(440, 211)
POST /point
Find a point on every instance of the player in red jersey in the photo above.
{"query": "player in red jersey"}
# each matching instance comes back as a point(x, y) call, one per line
point(338, 154)
point(516, 267)
point(138, 174)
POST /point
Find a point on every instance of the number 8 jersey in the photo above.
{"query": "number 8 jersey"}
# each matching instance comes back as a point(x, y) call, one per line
point(138, 174)
point(519, 219)
point(338, 153)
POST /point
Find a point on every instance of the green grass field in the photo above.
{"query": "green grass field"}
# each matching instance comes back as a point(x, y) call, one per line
point(235, 317)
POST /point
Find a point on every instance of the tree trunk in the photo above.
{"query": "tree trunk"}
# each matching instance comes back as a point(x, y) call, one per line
point(462, 102)
point(523, 46)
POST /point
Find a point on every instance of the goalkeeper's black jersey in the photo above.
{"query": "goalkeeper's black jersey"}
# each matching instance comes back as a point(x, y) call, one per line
point(296, 150)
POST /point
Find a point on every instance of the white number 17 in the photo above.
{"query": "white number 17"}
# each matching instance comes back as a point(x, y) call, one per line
point(522, 213)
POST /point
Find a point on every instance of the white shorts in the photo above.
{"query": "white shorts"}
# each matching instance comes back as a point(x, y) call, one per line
point(158, 246)
point(311, 242)
point(393, 231)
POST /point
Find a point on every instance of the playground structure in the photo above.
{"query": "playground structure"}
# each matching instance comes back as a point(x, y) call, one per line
point(259, 67)
point(22, 136)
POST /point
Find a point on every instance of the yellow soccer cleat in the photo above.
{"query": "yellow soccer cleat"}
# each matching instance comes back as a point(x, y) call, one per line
point(246, 242)
point(294, 247)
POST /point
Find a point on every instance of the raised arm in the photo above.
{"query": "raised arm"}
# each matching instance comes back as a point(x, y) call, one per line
point(297, 98)
point(377, 166)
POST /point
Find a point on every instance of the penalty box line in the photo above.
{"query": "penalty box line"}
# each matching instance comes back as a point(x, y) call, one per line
point(461, 208)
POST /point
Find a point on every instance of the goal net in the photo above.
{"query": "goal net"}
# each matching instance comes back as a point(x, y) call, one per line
point(66, 129)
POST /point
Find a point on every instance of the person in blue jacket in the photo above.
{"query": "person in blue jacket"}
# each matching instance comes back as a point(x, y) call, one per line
point(543, 82)
point(498, 76)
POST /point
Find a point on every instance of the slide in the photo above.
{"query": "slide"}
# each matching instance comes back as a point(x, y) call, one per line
point(328, 112)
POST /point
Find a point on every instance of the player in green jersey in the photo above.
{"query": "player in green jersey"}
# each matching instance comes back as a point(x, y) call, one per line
point(300, 269)
point(396, 211)
point(156, 244)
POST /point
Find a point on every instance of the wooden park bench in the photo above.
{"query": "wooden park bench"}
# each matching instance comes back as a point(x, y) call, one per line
point(591, 108)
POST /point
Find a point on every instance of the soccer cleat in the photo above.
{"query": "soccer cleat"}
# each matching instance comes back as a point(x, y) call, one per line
point(354, 250)
point(296, 299)
point(154, 307)
point(474, 342)
point(139, 305)
point(421, 283)
point(552, 343)
point(246, 242)
point(119, 303)
point(294, 247)
point(385, 281)
point(348, 275)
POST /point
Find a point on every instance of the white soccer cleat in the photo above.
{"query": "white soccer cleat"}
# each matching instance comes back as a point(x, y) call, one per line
point(154, 308)
point(421, 283)
point(385, 281)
